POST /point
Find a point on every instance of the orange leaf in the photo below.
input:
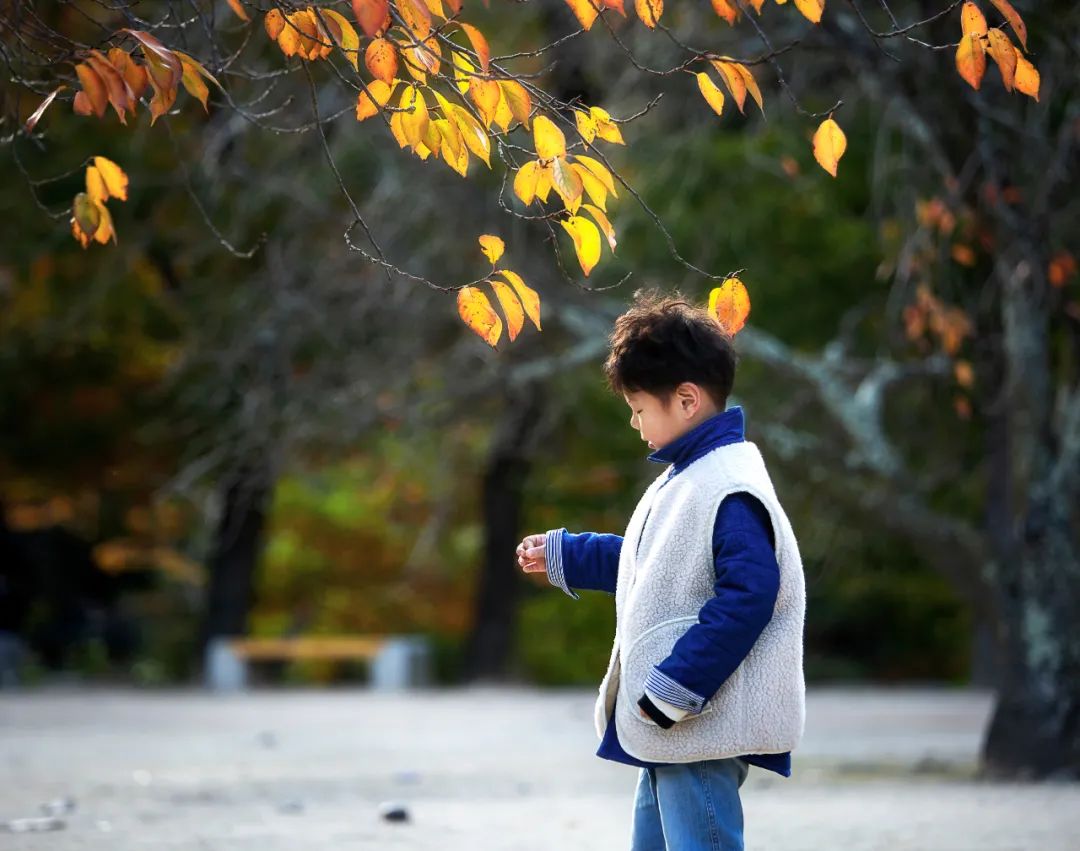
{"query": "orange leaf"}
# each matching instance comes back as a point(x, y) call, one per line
point(730, 304)
point(811, 9)
point(238, 10)
point(381, 60)
point(94, 87)
point(1001, 50)
point(1027, 77)
point(584, 10)
point(274, 23)
point(751, 84)
point(479, 43)
point(372, 15)
point(132, 72)
point(476, 311)
point(829, 145)
point(735, 81)
point(971, 60)
point(515, 314)
point(417, 17)
point(486, 94)
point(530, 300)
point(617, 5)
point(120, 95)
point(1014, 19)
point(727, 10)
point(972, 20)
point(649, 11)
point(368, 102)
point(344, 35)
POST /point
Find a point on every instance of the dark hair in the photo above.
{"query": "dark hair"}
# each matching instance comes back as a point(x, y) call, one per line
point(663, 340)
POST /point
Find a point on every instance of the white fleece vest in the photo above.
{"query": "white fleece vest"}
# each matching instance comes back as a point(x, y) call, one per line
point(666, 574)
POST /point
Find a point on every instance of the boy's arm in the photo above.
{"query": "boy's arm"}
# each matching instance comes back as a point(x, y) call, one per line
point(747, 582)
point(589, 560)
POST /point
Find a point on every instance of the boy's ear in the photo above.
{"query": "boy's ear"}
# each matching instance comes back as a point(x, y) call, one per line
point(689, 397)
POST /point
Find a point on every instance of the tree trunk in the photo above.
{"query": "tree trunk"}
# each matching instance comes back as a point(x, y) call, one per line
point(238, 545)
point(490, 646)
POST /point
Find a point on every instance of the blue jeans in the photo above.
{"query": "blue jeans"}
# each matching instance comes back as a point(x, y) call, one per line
point(692, 806)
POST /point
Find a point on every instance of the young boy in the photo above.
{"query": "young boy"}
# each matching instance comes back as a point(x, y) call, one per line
point(705, 677)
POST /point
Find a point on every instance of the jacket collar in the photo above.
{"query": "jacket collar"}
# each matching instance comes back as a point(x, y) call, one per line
point(719, 429)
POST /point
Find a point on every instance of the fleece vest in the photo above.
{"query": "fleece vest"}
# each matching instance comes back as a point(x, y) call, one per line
point(666, 574)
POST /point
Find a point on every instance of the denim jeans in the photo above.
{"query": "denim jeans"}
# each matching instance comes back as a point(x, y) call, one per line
point(691, 806)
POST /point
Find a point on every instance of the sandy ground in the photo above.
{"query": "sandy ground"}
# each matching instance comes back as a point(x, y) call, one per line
point(479, 769)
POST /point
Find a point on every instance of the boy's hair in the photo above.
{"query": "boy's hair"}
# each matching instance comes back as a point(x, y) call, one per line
point(663, 340)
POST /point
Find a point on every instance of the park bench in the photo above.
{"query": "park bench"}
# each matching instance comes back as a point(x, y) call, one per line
point(397, 661)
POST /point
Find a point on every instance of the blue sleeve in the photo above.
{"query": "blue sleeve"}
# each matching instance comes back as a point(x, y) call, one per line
point(588, 560)
point(747, 582)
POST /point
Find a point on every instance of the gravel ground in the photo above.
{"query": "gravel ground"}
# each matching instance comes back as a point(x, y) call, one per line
point(478, 768)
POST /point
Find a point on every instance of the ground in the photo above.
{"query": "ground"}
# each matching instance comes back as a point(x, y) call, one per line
point(480, 768)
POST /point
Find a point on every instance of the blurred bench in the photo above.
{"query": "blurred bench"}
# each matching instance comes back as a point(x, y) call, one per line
point(396, 661)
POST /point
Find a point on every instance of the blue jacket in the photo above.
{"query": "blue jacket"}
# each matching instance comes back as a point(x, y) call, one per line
point(747, 581)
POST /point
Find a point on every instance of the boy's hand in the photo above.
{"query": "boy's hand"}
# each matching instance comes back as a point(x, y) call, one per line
point(531, 554)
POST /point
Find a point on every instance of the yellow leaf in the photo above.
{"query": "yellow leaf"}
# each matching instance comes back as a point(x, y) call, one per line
point(479, 44)
point(972, 20)
point(515, 314)
point(517, 99)
point(735, 81)
point(593, 187)
point(530, 300)
point(345, 36)
point(649, 11)
point(1015, 21)
point(116, 181)
point(486, 95)
point(193, 84)
point(476, 139)
point(829, 145)
point(398, 129)
point(1001, 50)
point(604, 224)
point(1027, 77)
point(811, 9)
point(606, 129)
point(586, 127)
point(86, 214)
point(543, 183)
point(730, 304)
point(598, 169)
point(95, 185)
point(971, 59)
point(492, 247)
point(368, 102)
point(525, 181)
point(566, 181)
point(414, 115)
point(584, 11)
point(548, 138)
point(464, 71)
point(586, 241)
point(105, 230)
point(381, 60)
point(713, 96)
point(476, 311)
point(454, 150)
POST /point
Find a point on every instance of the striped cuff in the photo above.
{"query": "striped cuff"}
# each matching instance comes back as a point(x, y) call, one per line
point(554, 556)
point(675, 693)
point(675, 713)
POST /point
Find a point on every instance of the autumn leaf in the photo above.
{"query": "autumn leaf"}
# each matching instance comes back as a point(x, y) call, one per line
point(566, 182)
point(476, 139)
point(751, 85)
point(93, 87)
point(730, 304)
point(518, 100)
point(486, 94)
point(479, 44)
point(116, 181)
point(549, 139)
point(596, 190)
point(1001, 50)
point(727, 10)
point(811, 9)
point(586, 127)
point(376, 95)
point(530, 300)
point(584, 10)
point(454, 150)
point(476, 312)
point(372, 15)
point(1015, 21)
point(649, 11)
point(971, 60)
point(1027, 77)
point(274, 23)
point(972, 20)
point(712, 94)
point(417, 17)
point(414, 115)
point(586, 241)
point(598, 169)
point(515, 314)
point(193, 70)
point(344, 35)
point(829, 145)
point(734, 81)
point(525, 181)
point(603, 223)
point(32, 121)
point(606, 129)
point(119, 92)
point(492, 247)
point(381, 60)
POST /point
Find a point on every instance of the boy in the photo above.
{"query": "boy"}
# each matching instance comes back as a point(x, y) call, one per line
point(705, 677)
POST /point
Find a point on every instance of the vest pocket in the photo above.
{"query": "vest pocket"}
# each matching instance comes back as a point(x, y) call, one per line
point(645, 652)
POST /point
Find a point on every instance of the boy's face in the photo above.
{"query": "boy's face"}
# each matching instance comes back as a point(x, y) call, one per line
point(659, 424)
